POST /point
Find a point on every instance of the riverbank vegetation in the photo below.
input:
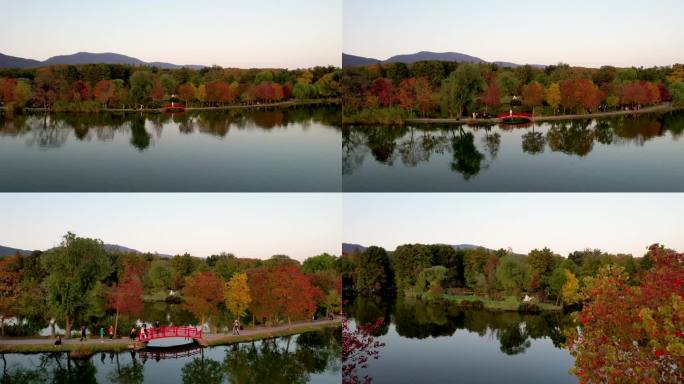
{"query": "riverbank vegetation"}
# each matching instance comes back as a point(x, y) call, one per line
point(95, 87)
point(393, 92)
point(478, 277)
point(81, 282)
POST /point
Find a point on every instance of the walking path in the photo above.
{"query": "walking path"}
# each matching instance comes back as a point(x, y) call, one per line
point(46, 344)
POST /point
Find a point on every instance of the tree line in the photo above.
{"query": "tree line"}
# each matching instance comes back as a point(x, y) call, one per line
point(93, 87)
point(430, 270)
point(80, 282)
point(389, 93)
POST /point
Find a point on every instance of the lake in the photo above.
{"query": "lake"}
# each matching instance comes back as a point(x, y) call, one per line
point(288, 150)
point(442, 343)
point(312, 357)
point(624, 153)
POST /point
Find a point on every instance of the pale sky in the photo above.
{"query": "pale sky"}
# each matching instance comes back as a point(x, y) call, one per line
point(579, 32)
point(256, 225)
point(612, 222)
point(229, 33)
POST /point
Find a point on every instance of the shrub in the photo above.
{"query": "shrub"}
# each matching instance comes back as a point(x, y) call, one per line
point(529, 308)
point(472, 304)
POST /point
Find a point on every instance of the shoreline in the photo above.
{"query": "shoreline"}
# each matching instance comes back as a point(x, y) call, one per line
point(289, 103)
point(78, 349)
point(497, 305)
point(471, 121)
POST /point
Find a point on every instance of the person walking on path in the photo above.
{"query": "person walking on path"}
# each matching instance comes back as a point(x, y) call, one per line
point(83, 333)
point(236, 328)
point(110, 331)
point(102, 333)
point(132, 334)
point(58, 341)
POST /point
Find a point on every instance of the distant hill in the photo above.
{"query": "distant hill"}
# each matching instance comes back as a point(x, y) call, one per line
point(355, 61)
point(348, 248)
point(85, 58)
point(7, 61)
point(9, 251)
point(351, 248)
point(434, 56)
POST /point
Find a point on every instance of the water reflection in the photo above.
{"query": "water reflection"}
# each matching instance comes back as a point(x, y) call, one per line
point(417, 319)
point(291, 149)
point(52, 130)
point(418, 335)
point(309, 357)
point(389, 158)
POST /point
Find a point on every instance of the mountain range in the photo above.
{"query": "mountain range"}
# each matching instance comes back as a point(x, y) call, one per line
point(9, 251)
point(7, 61)
point(348, 248)
point(355, 61)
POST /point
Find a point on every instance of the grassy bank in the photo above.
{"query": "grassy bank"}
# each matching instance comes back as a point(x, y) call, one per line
point(510, 304)
point(77, 350)
point(267, 334)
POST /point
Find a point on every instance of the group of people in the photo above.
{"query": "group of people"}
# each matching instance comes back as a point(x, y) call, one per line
point(143, 331)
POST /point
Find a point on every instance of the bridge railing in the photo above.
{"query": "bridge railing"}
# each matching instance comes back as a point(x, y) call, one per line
point(170, 331)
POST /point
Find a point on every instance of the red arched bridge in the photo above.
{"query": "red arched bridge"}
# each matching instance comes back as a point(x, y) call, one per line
point(515, 117)
point(170, 331)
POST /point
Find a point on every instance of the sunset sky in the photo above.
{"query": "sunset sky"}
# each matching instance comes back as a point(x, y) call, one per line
point(256, 225)
point(616, 223)
point(229, 33)
point(581, 32)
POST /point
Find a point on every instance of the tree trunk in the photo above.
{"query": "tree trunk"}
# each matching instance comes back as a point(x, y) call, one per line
point(116, 323)
point(67, 327)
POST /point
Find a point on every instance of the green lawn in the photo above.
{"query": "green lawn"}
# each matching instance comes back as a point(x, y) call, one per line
point(510, 304)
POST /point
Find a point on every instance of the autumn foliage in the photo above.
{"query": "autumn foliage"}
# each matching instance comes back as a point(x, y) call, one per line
point(203, 292)
point(632, 334)
point(359, 347)
point(126, 298)
point(282, 291)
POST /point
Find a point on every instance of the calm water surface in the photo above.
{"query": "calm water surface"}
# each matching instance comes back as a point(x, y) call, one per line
point(312, 357)
point(626, 153)
point(296, 149)
point(445, 344)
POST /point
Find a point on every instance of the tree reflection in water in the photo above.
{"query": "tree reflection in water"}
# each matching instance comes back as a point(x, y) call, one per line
point(414, 145)
point(417, 319)
point(52, 130)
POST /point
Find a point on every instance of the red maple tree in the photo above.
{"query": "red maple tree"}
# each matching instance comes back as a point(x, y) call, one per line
point(125, 298)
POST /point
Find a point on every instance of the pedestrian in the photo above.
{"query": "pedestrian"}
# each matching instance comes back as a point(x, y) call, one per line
point(83, 333)
point(59, 340)
point(236, 327)
point(110, 331)
point(157, 325)
point(102, 332)
point(132, 334)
